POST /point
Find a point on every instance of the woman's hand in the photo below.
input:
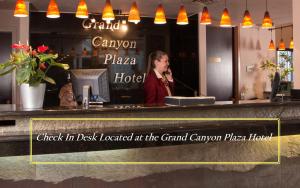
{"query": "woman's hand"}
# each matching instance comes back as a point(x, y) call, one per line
point(168, 75)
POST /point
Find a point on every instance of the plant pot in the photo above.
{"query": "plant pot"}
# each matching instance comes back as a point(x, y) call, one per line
point(33, 96)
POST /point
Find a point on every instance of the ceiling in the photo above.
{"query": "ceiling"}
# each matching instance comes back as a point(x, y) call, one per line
point(281, 14)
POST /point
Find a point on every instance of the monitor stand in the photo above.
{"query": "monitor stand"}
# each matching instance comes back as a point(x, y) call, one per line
point(86, 96)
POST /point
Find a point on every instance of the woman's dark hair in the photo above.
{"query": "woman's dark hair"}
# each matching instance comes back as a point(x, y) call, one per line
point(156, 55)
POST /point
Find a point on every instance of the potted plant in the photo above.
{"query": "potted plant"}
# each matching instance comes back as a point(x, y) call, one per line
point(31, 66)
point(283, 70)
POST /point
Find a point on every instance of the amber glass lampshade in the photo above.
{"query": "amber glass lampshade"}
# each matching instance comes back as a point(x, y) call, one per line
point(225, 20)
point(108, 13)
point(267, 22)
point(271, 45)
point(20, 9)
point(53, 11)
point(134, 14)
point(247, 21)
point(82, 10)
point(205, 17)
point(160, 17)
point(292, 43)
point(281, 45)
point(182, 18)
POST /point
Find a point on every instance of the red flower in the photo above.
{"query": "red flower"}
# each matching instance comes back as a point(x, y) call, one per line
point(16, 46)
point(43, 66)
point(20, 46)
point(25, 47)
point(42, 49)
point(33, 52)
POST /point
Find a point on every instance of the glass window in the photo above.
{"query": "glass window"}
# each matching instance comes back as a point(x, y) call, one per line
point(285, 62)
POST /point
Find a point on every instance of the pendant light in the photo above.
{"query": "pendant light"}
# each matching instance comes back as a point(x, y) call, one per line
point(124, 26)
point(205, 17)
point(160, 16)
point(281, 44)
point(225, 20)
point(20, 9)
point(53, 11)
point(267, 21)
point(247, 21)
point(82, 10)
point(292, 41)
point(108, 13)
point(134, 14)
point(272, 45)
point(182, 18)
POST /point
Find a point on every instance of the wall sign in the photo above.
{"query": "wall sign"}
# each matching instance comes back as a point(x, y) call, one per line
point(112, 43)
point(93, 24)
point(98, 41)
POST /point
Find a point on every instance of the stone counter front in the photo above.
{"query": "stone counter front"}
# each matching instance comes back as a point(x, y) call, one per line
point(19, 168)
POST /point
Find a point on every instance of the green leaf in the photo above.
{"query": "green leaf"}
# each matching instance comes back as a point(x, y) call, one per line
point(48, 79)
point(46, 57)
point(23, 74)
point(5, 65)
point(61, 65)
point(8, 71)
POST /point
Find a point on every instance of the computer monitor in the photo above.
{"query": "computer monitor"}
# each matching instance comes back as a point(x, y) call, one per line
point(275, 87)
point(96, 79)
point(295, 94)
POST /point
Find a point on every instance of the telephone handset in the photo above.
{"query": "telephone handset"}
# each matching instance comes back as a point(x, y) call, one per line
point(167, 72)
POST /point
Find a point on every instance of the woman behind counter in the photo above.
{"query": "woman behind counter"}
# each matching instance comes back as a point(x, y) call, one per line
point(159, 81)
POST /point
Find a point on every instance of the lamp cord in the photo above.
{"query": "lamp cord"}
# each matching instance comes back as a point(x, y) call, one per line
point(271, 34)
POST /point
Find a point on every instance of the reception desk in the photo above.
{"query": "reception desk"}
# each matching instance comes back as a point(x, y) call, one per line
point(15, 122)
point(14, 135)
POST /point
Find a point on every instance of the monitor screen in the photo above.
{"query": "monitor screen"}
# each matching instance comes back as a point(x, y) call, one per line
point(97, 79)
point(275, 86)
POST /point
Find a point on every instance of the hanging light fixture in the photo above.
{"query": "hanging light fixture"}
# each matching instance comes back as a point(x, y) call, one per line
point(53, 11)
point(20, 9)
point(267, 21)
point(134, 14)
point(124, 26)
point(225, 20)
point(205, 17)
point(281, 44)
point(292, 43)
point(182, 18)
point(108, 13)
point(82, 10)
point(247, 21)
point(272, 45)
point(160, 16)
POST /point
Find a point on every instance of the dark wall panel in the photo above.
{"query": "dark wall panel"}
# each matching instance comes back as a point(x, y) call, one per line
point(220, 63)
point(67, 37)
point(5, 81)
point(184, 56)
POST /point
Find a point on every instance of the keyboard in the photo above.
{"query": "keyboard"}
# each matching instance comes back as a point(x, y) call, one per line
point(189, 101)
